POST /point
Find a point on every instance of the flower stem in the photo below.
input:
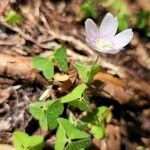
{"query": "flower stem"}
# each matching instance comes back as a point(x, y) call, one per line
point(97, 58)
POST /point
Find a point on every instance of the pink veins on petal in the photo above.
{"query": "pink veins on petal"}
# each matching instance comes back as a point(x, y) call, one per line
point(103, 39)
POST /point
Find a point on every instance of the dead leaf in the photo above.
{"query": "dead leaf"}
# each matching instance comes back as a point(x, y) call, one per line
point(61, 77)
point(107, 78)
point(4, 94)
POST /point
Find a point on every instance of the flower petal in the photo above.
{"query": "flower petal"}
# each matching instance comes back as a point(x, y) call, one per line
point(91, 44)
point(113, 51)
point(108, 27)
point(91, 29)
point(122, 39)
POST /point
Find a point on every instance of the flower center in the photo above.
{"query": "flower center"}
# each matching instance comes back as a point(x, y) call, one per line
point(103, 45)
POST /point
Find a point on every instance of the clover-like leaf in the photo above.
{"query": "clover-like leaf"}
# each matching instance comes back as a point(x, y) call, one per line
point(78, 145)
point(54, 110)
point(71, 131)
point(61, 139)
point(87, 71)
point(46, 113)
point(97, 121)
point(82, 103)
point(68, 137)
point(60, 56)
point(45, 65)
point(36, 142)
point(20, 140)
point(76, 122)
point(74, 94)
point(37, 110)
point(23, 141)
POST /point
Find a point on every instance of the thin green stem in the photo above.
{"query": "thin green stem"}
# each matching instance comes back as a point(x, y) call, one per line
point(97, 58)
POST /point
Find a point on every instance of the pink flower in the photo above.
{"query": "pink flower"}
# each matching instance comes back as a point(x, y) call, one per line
point(103, 39)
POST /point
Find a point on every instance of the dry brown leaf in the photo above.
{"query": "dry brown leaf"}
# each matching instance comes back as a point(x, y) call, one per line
point(4, 94)
point(107, 78)
point(60, 77)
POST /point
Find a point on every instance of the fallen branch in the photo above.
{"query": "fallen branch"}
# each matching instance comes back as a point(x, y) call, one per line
point(18, 67)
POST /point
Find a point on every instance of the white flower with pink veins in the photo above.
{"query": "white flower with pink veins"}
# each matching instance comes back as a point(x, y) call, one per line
point(103, 39)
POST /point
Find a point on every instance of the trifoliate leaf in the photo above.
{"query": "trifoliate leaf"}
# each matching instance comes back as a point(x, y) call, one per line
point(70, 138)
point(82, 103)
point(23, 141)
point(71, 131)
point(13, 18)
point(46, 113)
point(61, 139)
point(20, 140)
point(76, 123)
point(36, 142)
point(78, 145)
point(54, 109)
point(60, 56)
point(37, 110)
point(75, 94)
point(97, 121)
point(87, 71)
point(45, 65)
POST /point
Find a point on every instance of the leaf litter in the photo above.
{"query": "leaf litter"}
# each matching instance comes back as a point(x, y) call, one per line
point(47, 22)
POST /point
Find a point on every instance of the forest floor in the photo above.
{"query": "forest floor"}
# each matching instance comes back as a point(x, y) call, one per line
point(123, 82)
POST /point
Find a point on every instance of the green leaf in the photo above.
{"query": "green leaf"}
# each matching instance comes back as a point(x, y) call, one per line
point(97, 131)
point(78, 145)
point(94, 69)
point(97, 121)
point(23, 141)
point(20, 140)
point(123, 21)
point(76, 123)
point(123, 13)
point(37, 110)
point(143, 18)
point(47, 113)
point(82, 103)
point(68, 137)
point(89, 9)
point(75, 94)
point(101, 110)
point(36, 142)
point(87, 71)
point(104, 114)
point(13, 18)
point(45, 65)
point(54, 110)
point(83, 70)
point(61, 139)
point(71, 131)
point(60, 56)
